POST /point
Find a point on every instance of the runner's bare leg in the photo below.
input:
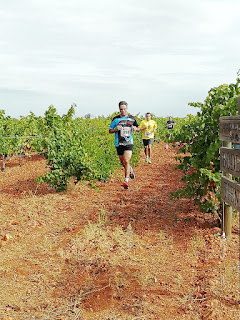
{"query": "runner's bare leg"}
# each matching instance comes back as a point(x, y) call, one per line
point(149, 151)
point(125, 161)
point(145, 151)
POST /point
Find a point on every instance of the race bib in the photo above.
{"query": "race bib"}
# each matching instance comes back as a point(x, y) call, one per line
point(147, 134)
point(125, 131)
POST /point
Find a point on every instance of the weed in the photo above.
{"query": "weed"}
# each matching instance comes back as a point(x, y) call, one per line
point(144, 277)
point(228, 275)
point(179, 280)
point(102, 218)
point(196, 244)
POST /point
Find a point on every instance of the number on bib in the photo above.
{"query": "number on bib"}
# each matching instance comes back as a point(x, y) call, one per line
point(147, 134)
point(125, 131)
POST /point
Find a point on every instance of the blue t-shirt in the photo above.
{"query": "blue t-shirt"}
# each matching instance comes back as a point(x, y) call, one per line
point(124, 136)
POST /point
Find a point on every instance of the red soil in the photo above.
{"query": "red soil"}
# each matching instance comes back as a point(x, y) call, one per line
point(158, 259)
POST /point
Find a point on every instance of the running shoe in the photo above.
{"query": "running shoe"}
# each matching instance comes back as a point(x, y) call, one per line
point(149, 161)
point(125, 185)
point(131, 175)
point(146, 160)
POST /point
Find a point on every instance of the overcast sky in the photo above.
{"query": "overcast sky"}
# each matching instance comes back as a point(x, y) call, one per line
point(158, 55)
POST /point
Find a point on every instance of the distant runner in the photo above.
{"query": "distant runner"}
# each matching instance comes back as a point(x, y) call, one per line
point(170, 125)
point(148, 127)
point(123, 125)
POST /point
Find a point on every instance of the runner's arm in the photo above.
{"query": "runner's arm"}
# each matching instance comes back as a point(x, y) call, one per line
point(138, 129)
point(114, 127)
point(135, 126)
point(115, 130)
point(142, 126)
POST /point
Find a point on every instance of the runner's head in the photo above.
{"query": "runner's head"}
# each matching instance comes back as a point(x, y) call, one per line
point(148, 116)
point(123, 107)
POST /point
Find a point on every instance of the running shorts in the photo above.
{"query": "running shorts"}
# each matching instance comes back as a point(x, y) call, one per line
point(146, 142)
point(120, 149)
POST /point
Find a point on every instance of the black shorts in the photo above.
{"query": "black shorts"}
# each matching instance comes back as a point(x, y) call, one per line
point(121, 149)
point(146, 142)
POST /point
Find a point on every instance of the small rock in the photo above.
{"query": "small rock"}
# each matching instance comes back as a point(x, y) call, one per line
point(214, 304)
point(212, 283)
point(7, 237)
point(207, 314)
point(13, 222)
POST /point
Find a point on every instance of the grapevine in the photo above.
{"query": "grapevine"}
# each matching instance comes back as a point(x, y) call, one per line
point(200, 161)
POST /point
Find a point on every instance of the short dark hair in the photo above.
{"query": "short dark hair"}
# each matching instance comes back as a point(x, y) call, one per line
point(122, 103)
point(147, 113)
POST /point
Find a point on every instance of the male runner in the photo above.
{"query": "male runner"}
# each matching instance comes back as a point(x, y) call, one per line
point(148, 127)
point(170, 125)
point(123, 125)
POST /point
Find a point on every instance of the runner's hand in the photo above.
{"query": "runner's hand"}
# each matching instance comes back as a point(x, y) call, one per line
point(119, 127)
point(134, 128)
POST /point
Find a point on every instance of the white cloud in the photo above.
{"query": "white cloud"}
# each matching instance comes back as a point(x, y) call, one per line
point(63, 51)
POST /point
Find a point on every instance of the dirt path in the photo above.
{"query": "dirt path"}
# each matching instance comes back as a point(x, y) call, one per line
point(108, 253)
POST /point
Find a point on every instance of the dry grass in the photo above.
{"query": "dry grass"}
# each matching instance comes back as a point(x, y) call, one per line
point(95, 254)
point(108, 259)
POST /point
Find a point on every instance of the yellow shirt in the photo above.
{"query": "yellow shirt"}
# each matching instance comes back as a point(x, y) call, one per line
point(150, 125)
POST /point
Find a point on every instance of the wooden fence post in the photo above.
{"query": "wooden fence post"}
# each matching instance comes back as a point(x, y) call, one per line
point(230, 165)
point(227, 210)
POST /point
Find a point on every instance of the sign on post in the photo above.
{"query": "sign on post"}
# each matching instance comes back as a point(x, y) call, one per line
point(230, 129)
point(230, 192)
point(229, 132)
point(230, 161)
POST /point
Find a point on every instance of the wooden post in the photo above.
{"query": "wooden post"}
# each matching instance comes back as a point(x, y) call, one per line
point(230, 165)
point(227, 210)
point(239, 105)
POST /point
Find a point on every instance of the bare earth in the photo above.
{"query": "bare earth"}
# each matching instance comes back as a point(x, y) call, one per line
point(106, 253)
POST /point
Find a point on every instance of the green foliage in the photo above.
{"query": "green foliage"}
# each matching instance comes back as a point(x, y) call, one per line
point(81, 148)
point(78, 147)
point(201, 162)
